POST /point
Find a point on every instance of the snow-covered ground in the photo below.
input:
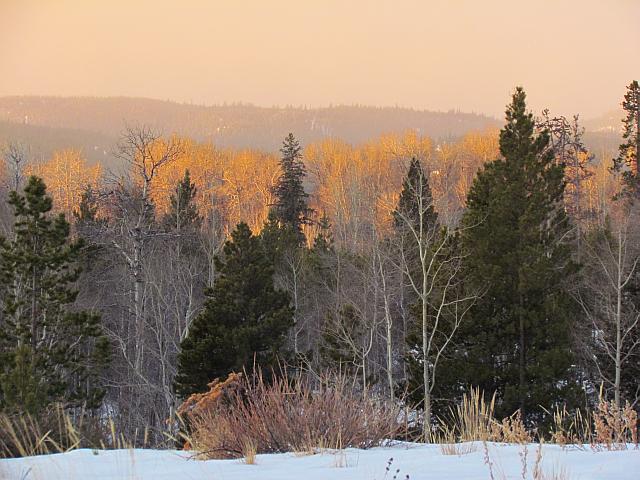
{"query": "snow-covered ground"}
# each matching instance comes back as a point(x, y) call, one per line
point(415, 460)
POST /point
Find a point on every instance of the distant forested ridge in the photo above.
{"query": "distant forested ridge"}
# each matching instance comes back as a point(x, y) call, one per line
point(234, 125)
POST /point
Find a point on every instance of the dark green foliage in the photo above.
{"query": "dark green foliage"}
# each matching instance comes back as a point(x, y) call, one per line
point(415, 206)
point(516, 237)
point(245, 318)
point(290, 208)
point(415, 223)
point(48, 352)
point(629, 154)
point(183, 212)
point(279, 240)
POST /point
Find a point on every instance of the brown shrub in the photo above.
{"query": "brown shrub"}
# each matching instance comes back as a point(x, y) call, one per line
point(287, 415)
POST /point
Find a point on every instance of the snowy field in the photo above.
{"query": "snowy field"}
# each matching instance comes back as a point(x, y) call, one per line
point(416, 461)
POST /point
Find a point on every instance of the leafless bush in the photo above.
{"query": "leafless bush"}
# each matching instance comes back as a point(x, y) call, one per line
point(287, 415)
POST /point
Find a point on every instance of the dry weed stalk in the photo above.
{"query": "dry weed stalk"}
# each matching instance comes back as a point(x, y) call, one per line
point(573, 428)
point(58, 430)
point(249, 452)
point(615, 427)
point(473, 420)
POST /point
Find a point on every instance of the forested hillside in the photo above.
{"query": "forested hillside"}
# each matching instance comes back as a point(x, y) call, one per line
point(243, 126)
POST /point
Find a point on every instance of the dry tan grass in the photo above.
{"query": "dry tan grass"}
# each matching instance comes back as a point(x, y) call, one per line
point(58, 430)
point(571, 428)
point(249, 452)
point(615, 427)
point(473, 420)
point(511, 430)
point(26, 435)
point(447, 441)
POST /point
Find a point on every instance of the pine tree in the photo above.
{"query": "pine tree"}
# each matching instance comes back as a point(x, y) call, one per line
point(629, 150)
point(517, 240)
point(245, 318)
point(290, 208)
point(415, 221)
point(183, 213)
point(415, 205)
point(48, 352)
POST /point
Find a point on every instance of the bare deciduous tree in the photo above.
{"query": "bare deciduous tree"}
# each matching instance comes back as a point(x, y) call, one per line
point(432, 265)
point(613, 331)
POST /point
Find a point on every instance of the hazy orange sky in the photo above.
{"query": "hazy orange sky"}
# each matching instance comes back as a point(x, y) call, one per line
point(570, 55)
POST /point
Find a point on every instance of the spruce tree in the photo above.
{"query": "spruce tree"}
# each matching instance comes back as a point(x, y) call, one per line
point(629, 150)
point(517, 239)
point(290, 208)
point(245, 318)
point(183, 213)
point(415, 221)
point(415, 205)
point(48, 351)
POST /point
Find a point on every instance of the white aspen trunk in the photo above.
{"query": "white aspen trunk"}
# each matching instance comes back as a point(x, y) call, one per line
point(618, 353)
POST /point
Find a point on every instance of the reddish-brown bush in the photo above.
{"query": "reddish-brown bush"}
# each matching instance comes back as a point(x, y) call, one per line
point(287, 415)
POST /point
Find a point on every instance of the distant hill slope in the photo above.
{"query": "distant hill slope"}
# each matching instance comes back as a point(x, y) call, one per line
point(43, 141)
point(235, 125)
point(94, 125)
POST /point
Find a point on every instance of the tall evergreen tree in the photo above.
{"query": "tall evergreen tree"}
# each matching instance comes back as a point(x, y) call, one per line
point(245, 318)
point(629, 150)
point(183, 212)
point(415, 205)
point(290, 208)
point(48, 352)
point(518, 340)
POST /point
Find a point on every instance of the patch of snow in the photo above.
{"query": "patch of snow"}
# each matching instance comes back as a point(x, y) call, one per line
point(418, 461)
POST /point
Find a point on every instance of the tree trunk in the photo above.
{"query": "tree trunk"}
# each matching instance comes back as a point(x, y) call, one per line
point(425, 364)
point(618, 366)
point(138, 306)
point(389, 347)
point(522, 362)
